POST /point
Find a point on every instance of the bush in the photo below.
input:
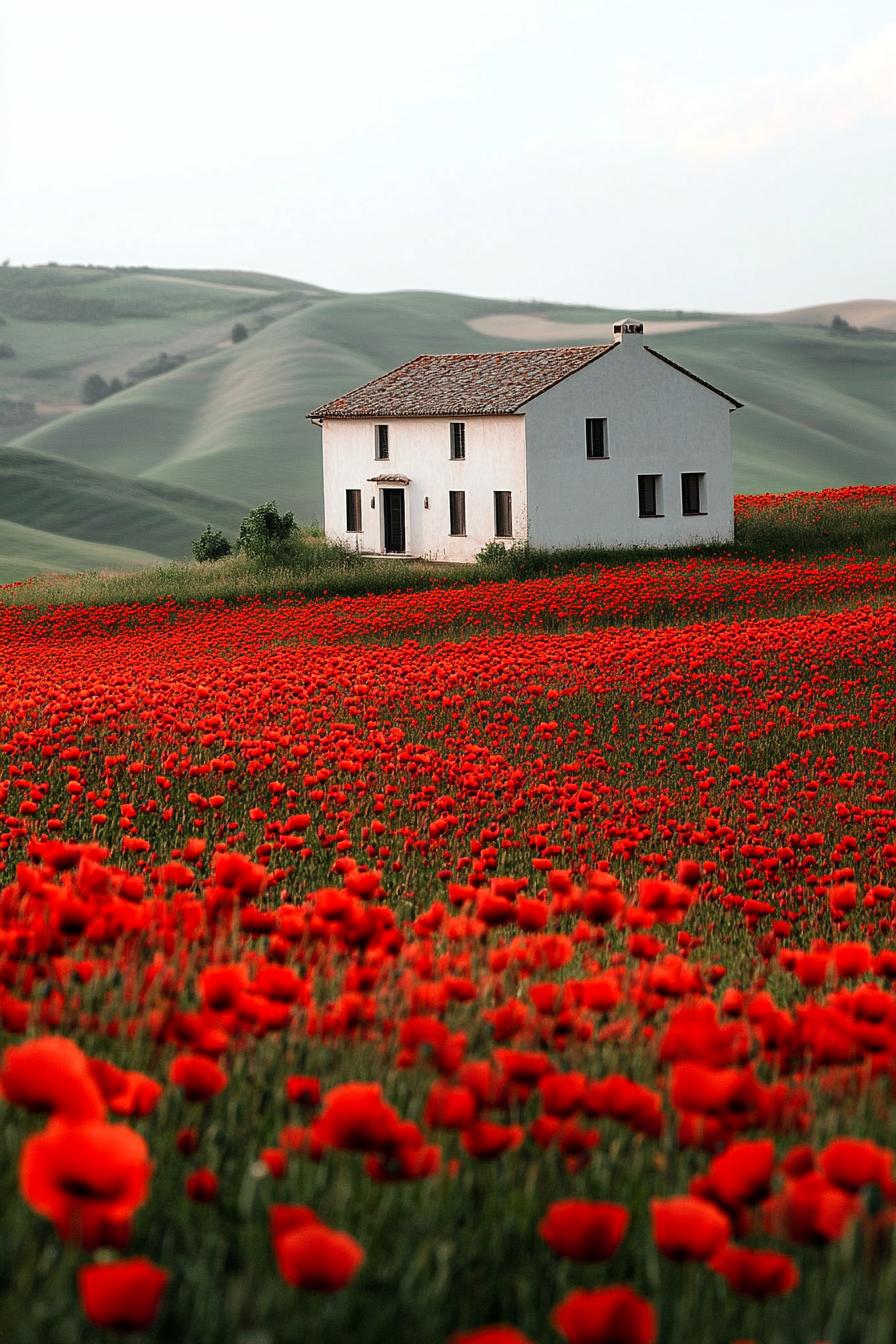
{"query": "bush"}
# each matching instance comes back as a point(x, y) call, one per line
point(505, 560)
point(6, 350)
point(492, 556)
point(238, 332)
point(211, 544)
point(267, 535)
point(94, 389)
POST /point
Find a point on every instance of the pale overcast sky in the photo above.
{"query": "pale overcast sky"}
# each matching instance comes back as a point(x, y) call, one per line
point(718, 154)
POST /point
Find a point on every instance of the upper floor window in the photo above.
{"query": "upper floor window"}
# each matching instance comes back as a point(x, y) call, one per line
point(692, 492)
point(382, 443)
point(458, 441)
point(503, 514)
point(650, 496)
point(595, 438)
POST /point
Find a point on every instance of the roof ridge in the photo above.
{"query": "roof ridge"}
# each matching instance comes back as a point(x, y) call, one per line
point(488, 354)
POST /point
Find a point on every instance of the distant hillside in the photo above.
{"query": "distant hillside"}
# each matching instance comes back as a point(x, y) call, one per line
point(93, 508)
point(229, 424)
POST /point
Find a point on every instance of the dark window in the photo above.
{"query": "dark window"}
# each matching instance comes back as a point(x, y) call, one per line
point(648, 496)
point(457, 511)
point(382, 443)
point(595, 438)
point(503, 514)
point(691, 490)
point(458, 441)
point(353, 510)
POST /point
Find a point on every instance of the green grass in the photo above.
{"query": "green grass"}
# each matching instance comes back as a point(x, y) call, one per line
point(322, 569)
point(821, 410)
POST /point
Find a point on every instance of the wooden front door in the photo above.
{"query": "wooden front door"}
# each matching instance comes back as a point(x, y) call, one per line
point(393, 522)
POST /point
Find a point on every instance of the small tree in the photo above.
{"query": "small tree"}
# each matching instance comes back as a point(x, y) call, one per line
point(211, 544)
point(6, 350)
point(266, 534)
point(94, 389)
point(239, 332)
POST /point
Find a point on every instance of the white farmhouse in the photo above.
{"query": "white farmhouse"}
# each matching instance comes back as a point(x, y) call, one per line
point(601, 445)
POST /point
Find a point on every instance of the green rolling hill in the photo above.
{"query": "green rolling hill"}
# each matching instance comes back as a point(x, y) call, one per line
point(146, 468)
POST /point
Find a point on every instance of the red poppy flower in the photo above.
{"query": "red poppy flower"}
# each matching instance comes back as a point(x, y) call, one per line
point(315, 1256)
point(814, 1211)
point(582, 1229)
point(187, 1141)
point(743, 1173)
point(87, 1179)
point(283, 1218)
point(450, 1107)
point(407, 1162)
point(220, 987)
point(687, 1228)
point(124, 1295)
point(852, 1163)
point(756, 1273)
point(606, 1316)
point(202, 1186)
point(562, 1093)
point(485, 1139)
point(199, 1078)
point(302, 1091)
point(51, 1074)
point(357, 1118)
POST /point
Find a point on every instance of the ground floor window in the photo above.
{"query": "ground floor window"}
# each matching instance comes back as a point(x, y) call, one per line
point(692, 500)
point(457, 511)
point(353, 510)
point(503, 514)
point(650, 503)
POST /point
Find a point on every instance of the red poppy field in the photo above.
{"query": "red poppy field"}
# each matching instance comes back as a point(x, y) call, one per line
point(502, 963)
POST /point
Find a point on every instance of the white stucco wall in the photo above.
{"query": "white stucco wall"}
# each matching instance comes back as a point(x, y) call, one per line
point(421, 450)
point(659, 422)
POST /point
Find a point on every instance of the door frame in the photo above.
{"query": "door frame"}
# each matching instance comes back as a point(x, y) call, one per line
point(402, 490)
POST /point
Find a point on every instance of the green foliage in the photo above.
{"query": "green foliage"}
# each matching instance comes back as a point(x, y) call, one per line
point(6, 350)
point(497, 557)
point(153, 368)
point(94, 389)
point(266, 534)
point(211, 544)
point(239, 332)
point(840, 326)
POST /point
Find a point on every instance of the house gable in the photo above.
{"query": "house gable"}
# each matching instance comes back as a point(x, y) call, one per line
point(660, 421)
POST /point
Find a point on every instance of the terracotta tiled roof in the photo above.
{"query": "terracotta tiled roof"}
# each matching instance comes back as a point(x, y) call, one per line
point(496, 383)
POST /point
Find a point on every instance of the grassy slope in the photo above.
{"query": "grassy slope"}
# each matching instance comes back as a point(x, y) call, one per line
point(821, 410)
point(93, 506)
point(26, 551)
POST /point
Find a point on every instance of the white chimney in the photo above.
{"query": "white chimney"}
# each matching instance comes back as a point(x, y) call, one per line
point(630, 332)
